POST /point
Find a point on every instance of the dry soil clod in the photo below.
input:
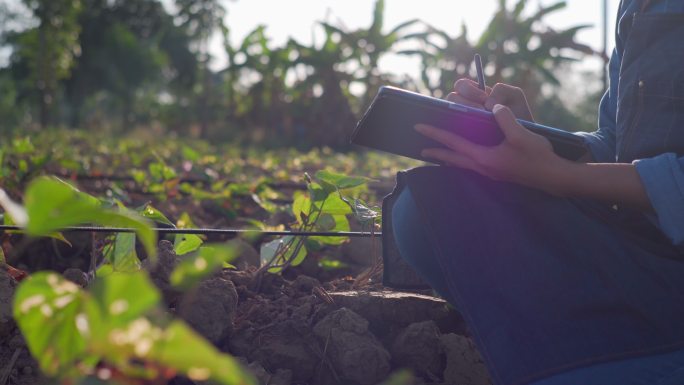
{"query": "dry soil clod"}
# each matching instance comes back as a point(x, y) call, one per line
point(210, 308)
point(355, 353)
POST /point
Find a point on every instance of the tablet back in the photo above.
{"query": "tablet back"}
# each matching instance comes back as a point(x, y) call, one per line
point(388, 124)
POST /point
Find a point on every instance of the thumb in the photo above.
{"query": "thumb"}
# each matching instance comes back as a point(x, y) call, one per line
point(507, 122)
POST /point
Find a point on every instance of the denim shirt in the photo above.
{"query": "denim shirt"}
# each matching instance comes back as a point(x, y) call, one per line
point(641, 117)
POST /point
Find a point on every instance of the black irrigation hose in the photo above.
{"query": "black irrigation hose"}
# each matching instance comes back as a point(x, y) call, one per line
point(192, 179)
point(98, 229)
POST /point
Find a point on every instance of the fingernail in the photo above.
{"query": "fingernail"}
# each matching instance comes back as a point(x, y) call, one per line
point(496, 108)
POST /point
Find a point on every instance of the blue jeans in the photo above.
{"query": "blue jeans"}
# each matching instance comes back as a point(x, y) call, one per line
point(553, 292)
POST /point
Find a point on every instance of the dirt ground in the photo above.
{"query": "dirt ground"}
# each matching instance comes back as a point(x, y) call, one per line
point(295, 329)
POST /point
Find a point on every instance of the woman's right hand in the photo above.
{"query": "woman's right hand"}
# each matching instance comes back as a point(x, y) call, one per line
point(468, 93)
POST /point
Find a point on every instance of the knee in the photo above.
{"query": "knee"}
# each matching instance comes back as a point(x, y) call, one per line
point(404, 214)
point(407, 227)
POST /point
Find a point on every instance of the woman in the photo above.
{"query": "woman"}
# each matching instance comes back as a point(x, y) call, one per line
point(567, 272)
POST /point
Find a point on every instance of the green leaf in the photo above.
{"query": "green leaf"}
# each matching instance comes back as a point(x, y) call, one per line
point(190, 154)
point(265, 204)
point(139, 176)
point(59, 236)
point(23, 145)
point(104, 270)
point(301, 207)
point(331, 264)
point(401, 377)
point(201, 194)
point(121, 253)
point(21, 212)
point(50, 312)
point(185, 222)
point(193, 269)
point(2, 256)
point(270, 250)
point(325, 222)
point(52, 204)
point(299, 258)
point(119, 323)
point(122, 298)
point(341, 181)
point(14, 212)
point(186, 243)
point(184, 350)
point(365, 214)
point(283, 249)
point(341, 225)
point(153, 214)
point(161, 172)
point(317, 193)
point(126, 303)
point(335, 205)
point(142, 227)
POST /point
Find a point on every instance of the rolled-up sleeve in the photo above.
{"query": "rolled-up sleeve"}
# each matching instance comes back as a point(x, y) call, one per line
point(663, 179)
point(602, 141)
point(601, 145)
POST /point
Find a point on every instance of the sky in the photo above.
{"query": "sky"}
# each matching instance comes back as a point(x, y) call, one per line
point(295, 18)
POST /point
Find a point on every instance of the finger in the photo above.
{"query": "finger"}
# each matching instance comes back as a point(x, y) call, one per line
point(469, 90)
point(456, 98)
point(475, 84)
point(450, 140)
point(510, 127)
point(450, 158)
point(503, 94)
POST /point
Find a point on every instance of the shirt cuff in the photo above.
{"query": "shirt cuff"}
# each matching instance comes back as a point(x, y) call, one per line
point(663, 179)
point(601, 152)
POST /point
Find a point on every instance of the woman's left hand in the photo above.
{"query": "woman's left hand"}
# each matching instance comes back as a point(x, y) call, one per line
point(523, 157)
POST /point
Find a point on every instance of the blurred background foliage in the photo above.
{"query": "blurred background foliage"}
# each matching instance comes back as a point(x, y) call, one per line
point(117, 65)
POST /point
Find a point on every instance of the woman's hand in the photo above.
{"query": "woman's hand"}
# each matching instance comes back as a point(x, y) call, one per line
point(468, 93)
point(523, 157)
point(528, 159)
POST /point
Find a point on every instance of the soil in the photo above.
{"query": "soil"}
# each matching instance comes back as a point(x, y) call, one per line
point(295, 329)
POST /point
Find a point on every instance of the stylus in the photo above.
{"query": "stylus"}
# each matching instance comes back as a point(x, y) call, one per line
point(480, 72)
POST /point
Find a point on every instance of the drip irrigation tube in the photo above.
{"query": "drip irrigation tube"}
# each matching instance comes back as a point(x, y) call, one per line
point(199, 180)
point(99, 229)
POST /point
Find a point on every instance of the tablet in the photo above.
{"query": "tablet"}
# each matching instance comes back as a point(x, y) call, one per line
point(388, 125)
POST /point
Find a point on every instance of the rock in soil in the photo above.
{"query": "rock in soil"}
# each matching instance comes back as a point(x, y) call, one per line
point(305, 284)
point(16, 359)
point(464, 363)
point(160, 271)
point(354, 352)
point(418, 347)
point(258, 371)
point(210, 308)
point(76, 276)
point(281, 376)
point(287, 345)
point(7, 287)
point(390, 311)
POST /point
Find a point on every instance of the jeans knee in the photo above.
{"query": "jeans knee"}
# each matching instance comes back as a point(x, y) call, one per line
point(412, 241)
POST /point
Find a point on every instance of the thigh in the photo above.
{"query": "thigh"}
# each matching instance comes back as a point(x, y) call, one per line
point(544, 285)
